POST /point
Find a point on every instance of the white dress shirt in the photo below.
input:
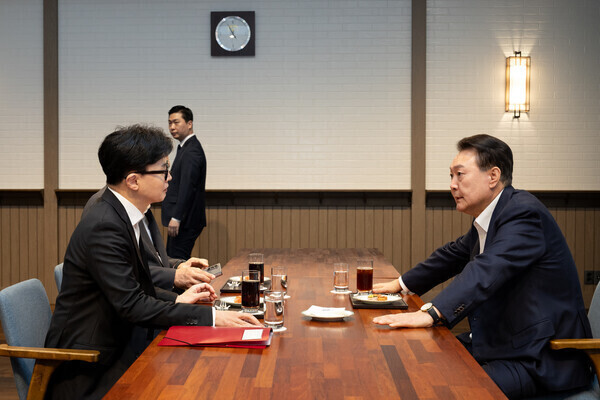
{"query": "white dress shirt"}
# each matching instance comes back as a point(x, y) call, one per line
point(481, 223)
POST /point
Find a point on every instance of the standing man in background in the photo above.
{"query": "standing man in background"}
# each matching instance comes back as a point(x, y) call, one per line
point(183, 209)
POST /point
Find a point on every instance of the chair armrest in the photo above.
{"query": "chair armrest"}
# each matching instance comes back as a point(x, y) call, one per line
point(42, 353)
point(581, 344)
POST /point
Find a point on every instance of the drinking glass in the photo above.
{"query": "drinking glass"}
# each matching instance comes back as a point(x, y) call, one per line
point(274, 310)
point(364, 276)
point(256, 262)
point(250, 291)
point(340, 277)
point(278, 279)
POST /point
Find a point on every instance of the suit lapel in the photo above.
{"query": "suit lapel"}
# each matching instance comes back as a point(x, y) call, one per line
point(142, 264)
point(504, 198)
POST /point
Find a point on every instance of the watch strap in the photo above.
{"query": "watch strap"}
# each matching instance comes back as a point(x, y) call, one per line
point(434, 315)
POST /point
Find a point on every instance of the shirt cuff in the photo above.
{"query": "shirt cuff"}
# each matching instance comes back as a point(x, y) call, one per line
point(404, 290)
point(175, 219)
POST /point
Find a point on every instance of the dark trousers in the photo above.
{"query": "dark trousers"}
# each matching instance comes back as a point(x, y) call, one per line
point(181, 245)
point(510, 376)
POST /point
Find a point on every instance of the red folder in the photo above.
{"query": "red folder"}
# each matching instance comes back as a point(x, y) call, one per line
point(253, 338)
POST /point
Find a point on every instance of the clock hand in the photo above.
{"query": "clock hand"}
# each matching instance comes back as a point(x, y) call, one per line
point(231, 30)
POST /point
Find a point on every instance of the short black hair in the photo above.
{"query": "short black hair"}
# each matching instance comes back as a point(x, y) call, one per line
point(491, 152)
point(186, 113)
point(132, 148)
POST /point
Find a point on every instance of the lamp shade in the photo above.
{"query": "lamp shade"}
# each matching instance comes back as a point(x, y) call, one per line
point(518, 71)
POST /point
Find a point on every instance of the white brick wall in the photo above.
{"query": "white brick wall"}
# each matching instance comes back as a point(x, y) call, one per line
point(324, 104)
point(21, 95)
point(557, 145)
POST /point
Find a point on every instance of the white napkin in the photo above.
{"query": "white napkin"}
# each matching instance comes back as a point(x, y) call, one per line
point(327, 312)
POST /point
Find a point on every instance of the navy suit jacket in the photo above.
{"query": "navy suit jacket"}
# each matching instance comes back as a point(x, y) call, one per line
point(522, 291)
point(185, 199)
point(107, 296)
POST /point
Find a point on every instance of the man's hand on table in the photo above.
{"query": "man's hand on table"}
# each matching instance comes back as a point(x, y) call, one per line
point(229, 318)
point(392, 286)
point(201, 292)
point(417, 319)
point(188, 273)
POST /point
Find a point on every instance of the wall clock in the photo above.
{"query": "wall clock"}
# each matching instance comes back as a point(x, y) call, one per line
point(232, 33)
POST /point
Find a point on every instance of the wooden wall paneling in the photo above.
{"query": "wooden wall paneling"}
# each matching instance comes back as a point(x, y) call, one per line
point(23, 237)
point(360, 228)
point(259, 239)
point(304, 216)
point(39, 216)
point(277, 215)
point(369, 228)
point(15, 248)
point(313, 226)
point(222, 233)
point(589, 239)
point(249, 217)
point(378, 222)
point(351, 227)
point(5, 259)
point(596, 242)
point(295, 227)
point(331, 227)
point(406, 239)
point(342, 227)
point(34, 245)
point(240, 227)
point(396, 238)
point(322, 223)
point(388, 234)
point(286, 226)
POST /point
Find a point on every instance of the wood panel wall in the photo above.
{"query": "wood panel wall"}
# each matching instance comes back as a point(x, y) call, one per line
point(234, 227)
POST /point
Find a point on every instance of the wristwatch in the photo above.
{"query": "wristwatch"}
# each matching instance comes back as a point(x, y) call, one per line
point(428, 308)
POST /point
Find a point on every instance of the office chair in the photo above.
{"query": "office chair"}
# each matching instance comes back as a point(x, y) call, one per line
point(58, 275)
point(590, 346)
point(25, 314)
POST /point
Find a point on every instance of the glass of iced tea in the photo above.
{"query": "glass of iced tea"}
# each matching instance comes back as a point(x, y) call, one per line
point(364, 276)
point(250, 291)
point(256, 262)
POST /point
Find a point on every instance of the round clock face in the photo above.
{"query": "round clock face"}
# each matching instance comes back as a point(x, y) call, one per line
point(232, 33)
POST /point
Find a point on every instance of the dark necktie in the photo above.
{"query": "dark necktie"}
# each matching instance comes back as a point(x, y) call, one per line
point(159, 250)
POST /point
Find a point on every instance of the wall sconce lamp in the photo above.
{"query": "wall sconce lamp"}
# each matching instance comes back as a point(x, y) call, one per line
point(518, 70)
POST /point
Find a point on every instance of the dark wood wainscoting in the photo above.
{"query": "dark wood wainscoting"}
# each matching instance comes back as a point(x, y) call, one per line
point(291, 219)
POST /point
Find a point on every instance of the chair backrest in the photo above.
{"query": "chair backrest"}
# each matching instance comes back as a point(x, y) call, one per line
point(594, 313)
point(25, 314)
point(58, 275)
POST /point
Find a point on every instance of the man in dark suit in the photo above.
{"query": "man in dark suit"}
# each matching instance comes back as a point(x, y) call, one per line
point(514, 278)
point(107, 300)
point(167, 273)
point(183, 209)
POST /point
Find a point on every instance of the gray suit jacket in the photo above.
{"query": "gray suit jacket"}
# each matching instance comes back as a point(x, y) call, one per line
point(162, 267)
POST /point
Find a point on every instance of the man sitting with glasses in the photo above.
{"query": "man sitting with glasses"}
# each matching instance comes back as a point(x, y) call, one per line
point(167, 273)
point(107, 300)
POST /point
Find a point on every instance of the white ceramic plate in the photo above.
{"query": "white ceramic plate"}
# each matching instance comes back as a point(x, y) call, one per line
point(239, 278)
point(230, 300)
point(365, 299)
point(328, 317)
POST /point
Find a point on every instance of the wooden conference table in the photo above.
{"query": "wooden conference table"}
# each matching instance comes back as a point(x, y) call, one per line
point(315, 360)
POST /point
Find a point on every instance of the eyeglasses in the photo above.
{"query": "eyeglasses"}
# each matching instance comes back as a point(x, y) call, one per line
point(162, 171)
